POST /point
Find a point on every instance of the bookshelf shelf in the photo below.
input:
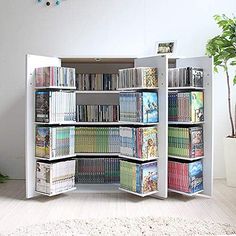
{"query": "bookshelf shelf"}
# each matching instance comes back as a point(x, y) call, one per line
point(51, 195)
point(185, 123)
point(137, 88)
point(186, 88)
point(97, 92)
point(80, 123)
point(186, 158)
point(56, 87)
point(137, 123)
point(55, 158)
point(183, 193)
point(98, 188)
point(97, 154)
point(138, 159)
point(139, 194)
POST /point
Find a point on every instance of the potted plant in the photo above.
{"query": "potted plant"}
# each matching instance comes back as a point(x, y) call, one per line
point(223, 48)
point(3, 178)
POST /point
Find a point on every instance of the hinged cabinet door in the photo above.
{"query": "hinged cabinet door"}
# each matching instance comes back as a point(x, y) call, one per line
point(161, 63)
point(32, 62)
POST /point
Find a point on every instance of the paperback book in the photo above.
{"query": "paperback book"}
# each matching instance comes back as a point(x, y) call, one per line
point(139, 142)
point(98, 82)
point(139, 107)
point(185, 77)
point(140, 178)
point(99, 170)
point(186, 106)
point(140, 77)
point(55, 177)
point(51, 142)
point(97, 140)
point(55, 77)
point(186, 141)
point(185, 176)
point(54, 106)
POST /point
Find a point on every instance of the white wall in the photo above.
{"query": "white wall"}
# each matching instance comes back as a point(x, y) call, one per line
point(105, 27)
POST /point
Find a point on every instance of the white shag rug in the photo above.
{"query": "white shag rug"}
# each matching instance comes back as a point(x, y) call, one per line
point(145, 226)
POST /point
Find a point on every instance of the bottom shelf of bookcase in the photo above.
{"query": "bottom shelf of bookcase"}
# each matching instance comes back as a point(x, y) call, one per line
point(183, 193)
point(138, 194)
point(97, 188)
point(54, 194)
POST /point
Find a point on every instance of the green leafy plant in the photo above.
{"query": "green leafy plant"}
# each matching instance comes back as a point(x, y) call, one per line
point(3, 178)
point(223, 48)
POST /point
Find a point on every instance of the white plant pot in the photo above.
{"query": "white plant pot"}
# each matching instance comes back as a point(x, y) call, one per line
point(230, 161)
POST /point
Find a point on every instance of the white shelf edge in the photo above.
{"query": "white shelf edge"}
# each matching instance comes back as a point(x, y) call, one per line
point(186, 88)
point(183, 193)
point(55, 158)
point(97, 92)
point(56, 87)
point(186, 158)
point(54, 194)
point(138, 194)
point(98, 188)
point(137, 88)
point(185, 123)
point(78, 123)
point(136, 123)
point(138, 159)
point(97, 154)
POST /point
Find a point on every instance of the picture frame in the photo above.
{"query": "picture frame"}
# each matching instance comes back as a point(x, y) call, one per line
point(165, 47)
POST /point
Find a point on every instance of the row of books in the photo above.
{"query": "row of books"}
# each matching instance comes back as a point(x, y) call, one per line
point(185, 176)
point(139, 107)
point(138, 77)
point(185, 77)
point(96, 82)
point(54, 141)
point(140, 178)
point(139, 142)
point(54, 76)
point(186, 106)
point(97, 170)
point(97, 113)
point(55, 177)
point(97, 139)
point(54, 106)
point(186, 141)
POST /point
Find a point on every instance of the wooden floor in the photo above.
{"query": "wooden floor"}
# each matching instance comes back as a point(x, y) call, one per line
point(16, 211)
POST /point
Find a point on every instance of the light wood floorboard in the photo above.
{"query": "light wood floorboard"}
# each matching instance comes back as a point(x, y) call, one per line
point(16, 211)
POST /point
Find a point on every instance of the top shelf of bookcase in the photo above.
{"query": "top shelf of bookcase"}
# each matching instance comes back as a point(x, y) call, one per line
point(56, 87)
point(137, 88)
point(186, 88)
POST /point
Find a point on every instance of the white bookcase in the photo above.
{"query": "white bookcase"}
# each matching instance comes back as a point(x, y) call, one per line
point(112, 65)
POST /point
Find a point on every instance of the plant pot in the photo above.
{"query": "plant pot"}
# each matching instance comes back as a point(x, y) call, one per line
point(230, 161)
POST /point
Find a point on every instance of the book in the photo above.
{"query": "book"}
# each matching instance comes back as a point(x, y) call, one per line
point(53, 142)
point(140, 178)
point(186, 106)
point(97, 140)
point(54, 106)
point(139, 142)
point(138, 77)
point(185, 176)
point(186, 141)
point(185, 77)
point(54, 77)
point(139, 107)
point(97, 82)
point(97, 170)
point(55, 177)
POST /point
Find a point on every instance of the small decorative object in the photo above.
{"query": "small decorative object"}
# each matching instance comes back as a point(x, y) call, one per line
point(223, 48)
point(165, 47)
point(48, 3)
point(3, 178)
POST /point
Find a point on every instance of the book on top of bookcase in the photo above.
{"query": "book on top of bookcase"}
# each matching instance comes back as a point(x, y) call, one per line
point(55, 77)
